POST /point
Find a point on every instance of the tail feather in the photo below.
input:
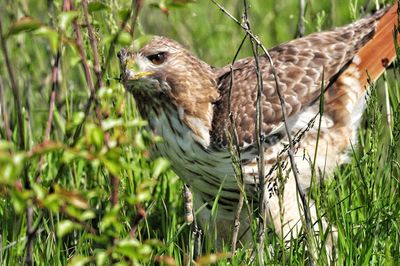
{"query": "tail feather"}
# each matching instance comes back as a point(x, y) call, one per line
point(373, 58)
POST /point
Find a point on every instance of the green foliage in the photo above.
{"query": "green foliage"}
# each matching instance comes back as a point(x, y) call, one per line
point(96, 195)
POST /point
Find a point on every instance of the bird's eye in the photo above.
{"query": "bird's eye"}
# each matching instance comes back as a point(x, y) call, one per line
point(157, 59)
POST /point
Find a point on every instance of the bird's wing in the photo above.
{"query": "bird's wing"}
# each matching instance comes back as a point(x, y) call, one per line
point(300, 65)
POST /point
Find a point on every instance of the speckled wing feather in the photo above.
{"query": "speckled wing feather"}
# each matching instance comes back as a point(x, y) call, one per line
point(300, 65)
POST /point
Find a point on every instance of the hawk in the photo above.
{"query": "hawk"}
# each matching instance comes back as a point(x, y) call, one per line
point(187, 102)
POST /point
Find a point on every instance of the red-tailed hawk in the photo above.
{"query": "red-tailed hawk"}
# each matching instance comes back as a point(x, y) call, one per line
point(186, 102)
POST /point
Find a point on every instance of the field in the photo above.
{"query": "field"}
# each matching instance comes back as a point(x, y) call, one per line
point(77, 183)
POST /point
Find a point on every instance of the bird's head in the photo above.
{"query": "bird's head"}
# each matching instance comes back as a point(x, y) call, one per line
point(163, 68)
point(163, 65)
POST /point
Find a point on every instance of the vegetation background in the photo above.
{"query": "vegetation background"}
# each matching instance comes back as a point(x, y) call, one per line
point(77, 184)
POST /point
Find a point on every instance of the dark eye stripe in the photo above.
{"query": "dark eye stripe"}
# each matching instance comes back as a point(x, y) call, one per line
point(158, 58)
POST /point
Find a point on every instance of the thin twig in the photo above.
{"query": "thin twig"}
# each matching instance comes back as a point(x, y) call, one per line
point(30, 235)
point(138, 7)
point(197, 237)
point(300, 23)
point(4, 114)
point(140, 214)
point(114, 190)
point(260, 159)
point(85, 66)
point(53, 94)
point(93, 43)
point(235, 155)
point(283, 105)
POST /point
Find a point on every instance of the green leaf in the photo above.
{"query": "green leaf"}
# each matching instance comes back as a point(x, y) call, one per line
point(51, 35)
point(139, 141)
point(53, 202)
point(39, 190)
point(97, 6)
point(95, 136)
point(160, 166)
point(144, 191)
point(101, 258)
point(22, 25)
point(77, 118)
point(19, 199)
point(87, 215)
point(65, 227)
point(79, 260)
point(124, 38)
point(66, 18)
point(134, 249)
point(113, 166)
point(124, 14)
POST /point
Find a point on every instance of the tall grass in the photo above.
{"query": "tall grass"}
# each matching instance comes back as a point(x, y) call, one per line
point(97, 197)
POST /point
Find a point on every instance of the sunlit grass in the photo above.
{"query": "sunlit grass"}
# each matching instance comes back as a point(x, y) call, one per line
point(74, 190)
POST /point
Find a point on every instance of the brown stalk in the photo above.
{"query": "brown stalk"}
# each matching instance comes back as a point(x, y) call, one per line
point(53, 95)
point(93, 43)
point(114, 190)
point(88, 76)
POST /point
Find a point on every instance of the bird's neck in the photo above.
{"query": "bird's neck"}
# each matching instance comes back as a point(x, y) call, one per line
point(195, 115)
point(193, 93)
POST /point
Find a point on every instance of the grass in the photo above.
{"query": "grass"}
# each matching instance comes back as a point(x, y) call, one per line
point(82, 216)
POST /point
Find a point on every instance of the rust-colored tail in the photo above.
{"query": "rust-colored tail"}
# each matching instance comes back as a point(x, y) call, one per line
point(372, 59)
